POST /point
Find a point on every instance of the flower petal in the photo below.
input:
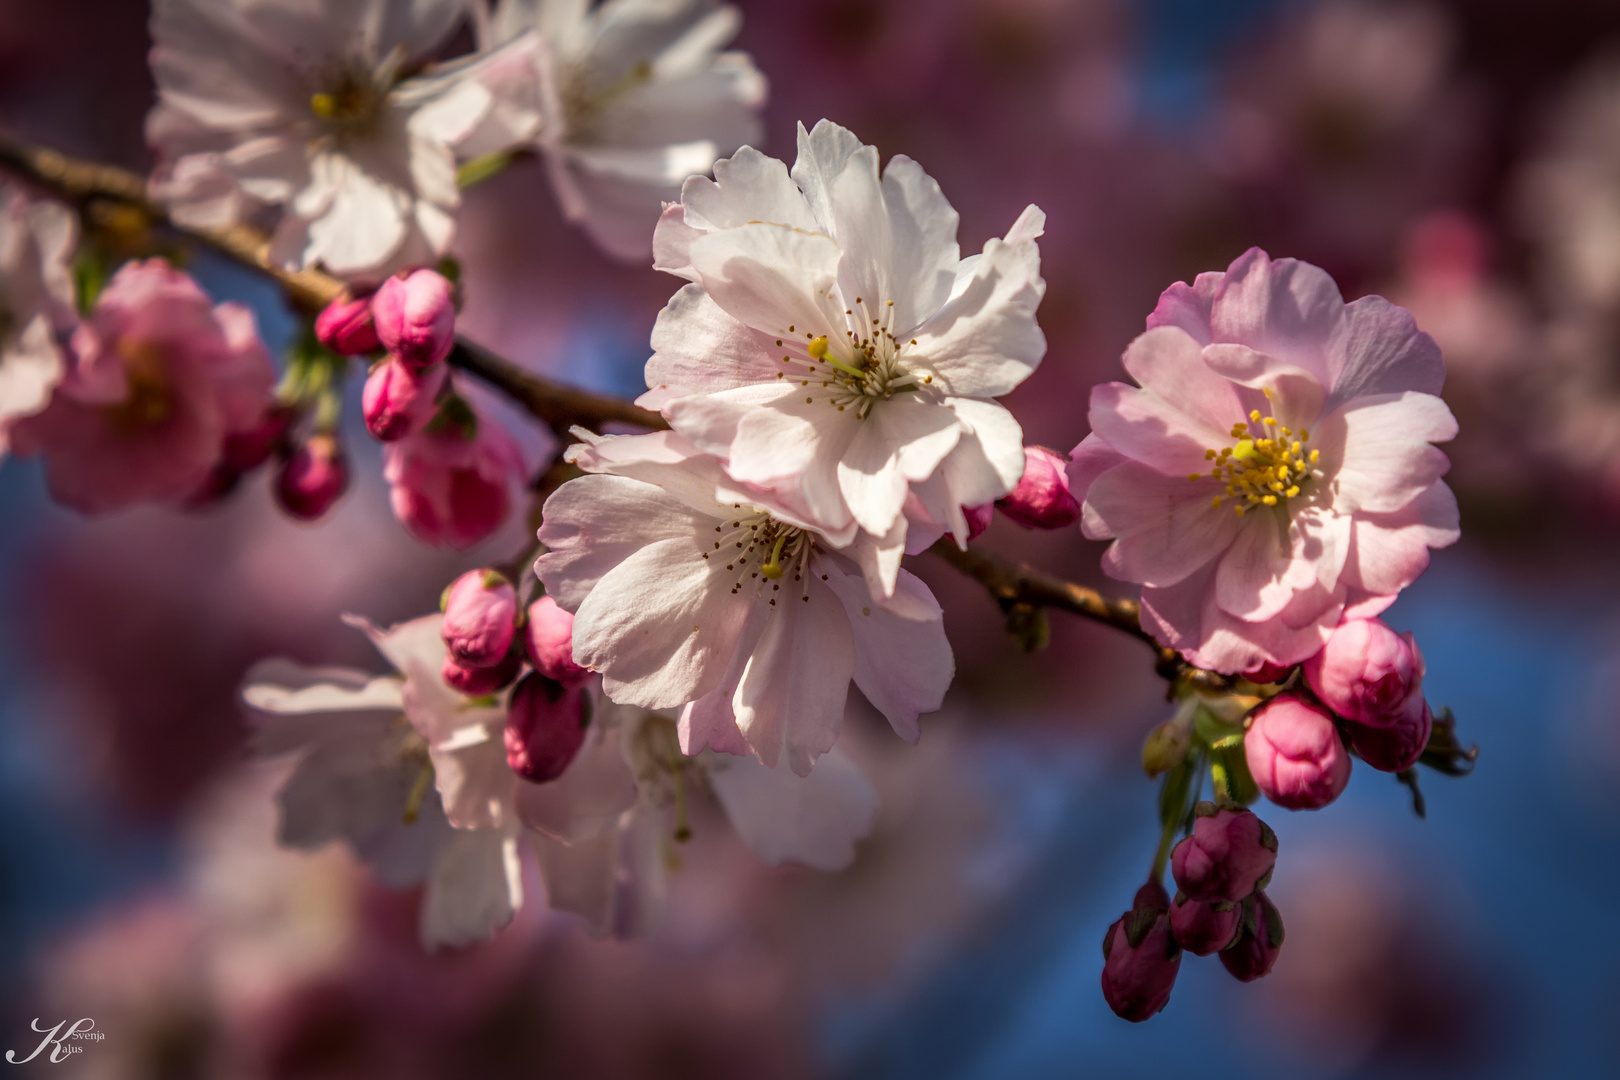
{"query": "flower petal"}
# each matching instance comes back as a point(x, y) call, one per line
point(1286, 308)
point(1387, 460)
point(903, 661)
point(791, 696)
point(815, 820)
point(985, 341)
point(1164, 527)
point(1378, 349)
point(475, 889)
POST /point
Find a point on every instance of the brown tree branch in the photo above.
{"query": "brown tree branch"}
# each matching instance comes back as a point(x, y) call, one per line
point(95, 189)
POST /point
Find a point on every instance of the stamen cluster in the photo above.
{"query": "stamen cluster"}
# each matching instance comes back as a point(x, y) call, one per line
point(1266, 466)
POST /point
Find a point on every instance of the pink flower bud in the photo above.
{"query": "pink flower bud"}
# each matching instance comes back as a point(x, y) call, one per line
point(480, 608)
point(346, 326)
point(978, 519)
point(1140, 958)
point(545, 727)
point(1398, 745)
point(549, 640)
point(1042, 499)
point(1205, 926)
point(451, 486)
point(1366, 671)
point(1267, 673)
point(1226, 856)
point(481, 681)
point(416, 317)
point(1295, 754)
point(1255, 951)
point(399, 400)
point(312, 479)
point(250, 448)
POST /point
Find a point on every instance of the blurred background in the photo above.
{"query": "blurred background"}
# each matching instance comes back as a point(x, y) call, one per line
point(1461, 158)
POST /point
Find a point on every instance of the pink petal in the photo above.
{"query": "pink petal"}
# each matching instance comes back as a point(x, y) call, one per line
point(1165, 527)
point(1286, 308)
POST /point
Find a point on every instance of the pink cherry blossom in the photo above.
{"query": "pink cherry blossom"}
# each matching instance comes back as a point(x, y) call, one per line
point(160, 378)
point(477, 682)
point(692, 591)
point(1273, 473)
point(451, 483)
point(1141, 957)
point(1255, 952)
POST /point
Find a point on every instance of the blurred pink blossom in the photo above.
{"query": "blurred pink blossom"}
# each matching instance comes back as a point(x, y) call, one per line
point(160, 378)
point(451, 483)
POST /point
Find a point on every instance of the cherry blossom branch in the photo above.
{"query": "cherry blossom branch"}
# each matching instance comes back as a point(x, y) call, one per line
point(1021, 590)
point(106, 196)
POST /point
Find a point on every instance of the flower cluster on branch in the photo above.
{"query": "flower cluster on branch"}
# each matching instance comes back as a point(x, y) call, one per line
point(822, 402)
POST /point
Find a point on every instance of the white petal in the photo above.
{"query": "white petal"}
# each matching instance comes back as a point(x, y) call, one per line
point(662, 625)
point(815, 820)
point(594, 523)
point(792, 694)
point(903, 661)
point(588, 799)
point(985, 340)
point(475, 889)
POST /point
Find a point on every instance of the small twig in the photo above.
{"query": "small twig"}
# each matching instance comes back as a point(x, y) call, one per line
point(87, 184)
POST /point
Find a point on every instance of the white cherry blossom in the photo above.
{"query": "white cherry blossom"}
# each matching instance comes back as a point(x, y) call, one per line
point(36, 301)
point(607, 860)
point(321, 109)
point(834, 341)
point(692, 591)
point(364, 775)
point(635, 96)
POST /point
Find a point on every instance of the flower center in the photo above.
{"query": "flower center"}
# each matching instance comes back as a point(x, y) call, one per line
point(766, 550)
point(865, 366)
point(1266, 465)
point(582, 105)
point(149, 401)
point(350, 99)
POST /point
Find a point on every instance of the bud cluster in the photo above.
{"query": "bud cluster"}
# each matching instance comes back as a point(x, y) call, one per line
point(489, 638)
point(1288, 733)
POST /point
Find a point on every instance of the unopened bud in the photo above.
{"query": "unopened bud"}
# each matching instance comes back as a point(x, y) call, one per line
point(481, 681)
point(399, 400)
point(545, 727)
point(312, 478)
point(1140, 958)
point(1205, 926)
point(978, 519)
point(1042, 499)
point(480, 609)
point(416, 317)
point(345, 326)
point(1366, 672)
point(1398, 745)
point(1295, 755)
point(1227, 854)
point(251, 448)
point(1260, 940)
point(549, 640)
point(1267, 673)
point(1166, 746)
